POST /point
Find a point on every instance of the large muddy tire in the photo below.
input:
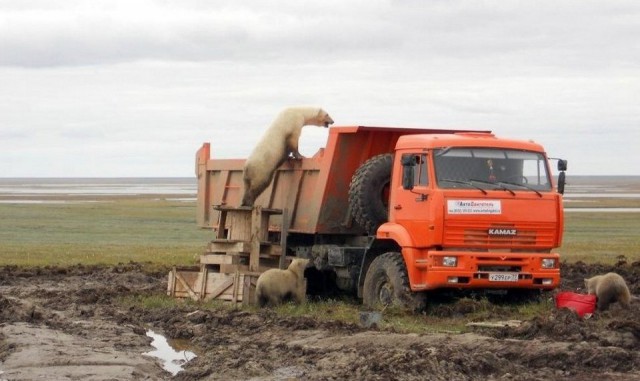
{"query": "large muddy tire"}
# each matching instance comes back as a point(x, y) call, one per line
point(387, 284)
point(369, 192)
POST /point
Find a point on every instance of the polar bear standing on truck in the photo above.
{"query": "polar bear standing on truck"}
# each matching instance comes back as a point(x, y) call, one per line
point(278, 142)
point(275, 286)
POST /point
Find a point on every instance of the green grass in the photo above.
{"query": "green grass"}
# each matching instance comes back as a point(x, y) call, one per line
point(165, 233)
point(150, 302)
point(601, 237)
point(398, 320)
point(141, 230)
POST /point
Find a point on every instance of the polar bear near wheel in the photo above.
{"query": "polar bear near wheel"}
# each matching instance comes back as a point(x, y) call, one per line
point(278, 142)
point(275, 286)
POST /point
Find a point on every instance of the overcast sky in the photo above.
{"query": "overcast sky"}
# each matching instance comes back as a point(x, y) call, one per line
point(133, 88)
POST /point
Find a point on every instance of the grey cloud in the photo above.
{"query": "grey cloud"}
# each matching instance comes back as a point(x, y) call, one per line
point(117, 80)
point(78, 34)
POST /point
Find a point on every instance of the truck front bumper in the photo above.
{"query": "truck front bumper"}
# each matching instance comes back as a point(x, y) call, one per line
point(497, 270)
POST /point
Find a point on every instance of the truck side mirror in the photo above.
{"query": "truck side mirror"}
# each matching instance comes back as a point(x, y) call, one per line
point(408, 162)
point(562, 165)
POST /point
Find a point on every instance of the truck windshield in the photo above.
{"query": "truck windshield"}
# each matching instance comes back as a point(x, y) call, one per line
point(468, 167)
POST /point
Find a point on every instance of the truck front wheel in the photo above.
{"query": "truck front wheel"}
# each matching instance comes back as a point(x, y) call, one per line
point(386, 283)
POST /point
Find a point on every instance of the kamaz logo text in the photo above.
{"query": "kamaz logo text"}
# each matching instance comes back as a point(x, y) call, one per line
point(503, 232)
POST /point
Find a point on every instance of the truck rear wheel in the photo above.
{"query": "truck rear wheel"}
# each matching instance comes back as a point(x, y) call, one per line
point(369, 192)
point(387, 284)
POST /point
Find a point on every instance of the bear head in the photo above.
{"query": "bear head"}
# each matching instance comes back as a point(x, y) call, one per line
point(590, 284)
point(321, 119)
point(298, 265)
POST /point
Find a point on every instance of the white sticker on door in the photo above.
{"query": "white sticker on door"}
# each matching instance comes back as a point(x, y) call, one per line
point(474, 206)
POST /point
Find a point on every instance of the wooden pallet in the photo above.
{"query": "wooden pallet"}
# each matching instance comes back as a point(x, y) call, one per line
point(234, 260)
point(203, 285)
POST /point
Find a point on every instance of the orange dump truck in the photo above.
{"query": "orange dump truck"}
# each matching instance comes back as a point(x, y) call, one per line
point(390, 214)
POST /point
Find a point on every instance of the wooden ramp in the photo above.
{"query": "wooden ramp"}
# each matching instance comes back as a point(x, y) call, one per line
point(239, 253)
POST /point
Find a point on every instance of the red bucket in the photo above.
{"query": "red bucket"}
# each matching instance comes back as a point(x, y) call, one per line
point(581, 303)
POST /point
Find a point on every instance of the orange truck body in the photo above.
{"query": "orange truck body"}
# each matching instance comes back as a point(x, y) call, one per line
point(501, 238)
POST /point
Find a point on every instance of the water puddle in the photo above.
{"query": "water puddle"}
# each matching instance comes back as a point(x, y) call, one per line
point(172, 359)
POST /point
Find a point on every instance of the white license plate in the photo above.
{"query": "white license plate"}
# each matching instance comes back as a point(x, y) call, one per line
point(503, 277)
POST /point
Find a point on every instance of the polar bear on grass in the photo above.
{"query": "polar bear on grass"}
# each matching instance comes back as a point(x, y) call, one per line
point(276, 286)
point(275, 146)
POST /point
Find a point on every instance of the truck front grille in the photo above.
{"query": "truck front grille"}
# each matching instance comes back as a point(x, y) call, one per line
point(476, 234)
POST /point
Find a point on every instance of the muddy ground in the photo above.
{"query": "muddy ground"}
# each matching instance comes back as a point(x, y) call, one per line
point(72, 324)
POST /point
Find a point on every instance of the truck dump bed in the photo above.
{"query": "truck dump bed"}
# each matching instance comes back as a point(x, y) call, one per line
point(314, 190)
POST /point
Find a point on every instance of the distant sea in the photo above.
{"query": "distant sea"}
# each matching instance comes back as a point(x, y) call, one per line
point(24, 190)
point(44, 190)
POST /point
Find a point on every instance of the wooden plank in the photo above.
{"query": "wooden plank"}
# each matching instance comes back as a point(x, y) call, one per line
point(220, 289)
point(228, 244)
point(186, 286)
point(266, 251)
point(246, 208)
point(182, 283)
point(236, 286)
point(222, 222)
point(249, 289)
point(227, 247)
point(264, 226)
point(272, 250)
point(237, 258)
point(204, 185)
point(203, 283)
point(247, 295)
point(243, 269)
point(240, 224)
point(254, 256)
point(171, 284)
point(226, 240)
point(219, 259)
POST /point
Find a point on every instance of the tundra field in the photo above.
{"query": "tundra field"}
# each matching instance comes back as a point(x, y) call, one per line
point(83, 280)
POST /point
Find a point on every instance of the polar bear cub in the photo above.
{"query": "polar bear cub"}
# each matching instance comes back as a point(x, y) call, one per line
point(278, 142)
point(275, 286)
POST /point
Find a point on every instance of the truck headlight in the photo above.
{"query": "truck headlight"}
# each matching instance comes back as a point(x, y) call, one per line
point(450, 261)
point(548, 263)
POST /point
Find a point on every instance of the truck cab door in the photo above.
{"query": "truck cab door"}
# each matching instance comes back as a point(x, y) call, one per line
point(411, 196)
